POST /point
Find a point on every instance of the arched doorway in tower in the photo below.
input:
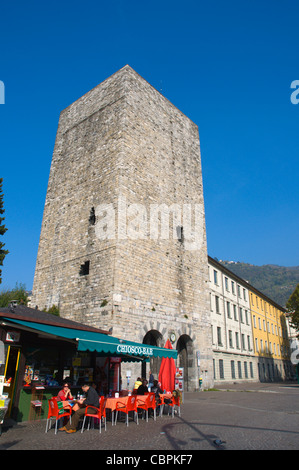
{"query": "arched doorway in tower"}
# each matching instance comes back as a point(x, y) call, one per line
point(153, 338)
point(186, 359)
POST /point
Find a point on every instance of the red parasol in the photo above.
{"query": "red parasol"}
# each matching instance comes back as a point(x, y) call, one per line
point(167, 371)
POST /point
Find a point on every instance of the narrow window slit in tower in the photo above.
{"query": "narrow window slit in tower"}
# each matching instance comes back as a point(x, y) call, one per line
point(84, 269)
point(92, 217)
point(180, 234)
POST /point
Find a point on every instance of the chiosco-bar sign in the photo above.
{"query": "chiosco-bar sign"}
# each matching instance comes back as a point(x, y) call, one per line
point(139, 350)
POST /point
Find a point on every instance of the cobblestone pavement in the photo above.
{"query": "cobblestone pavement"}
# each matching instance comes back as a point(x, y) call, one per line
point(246, 417)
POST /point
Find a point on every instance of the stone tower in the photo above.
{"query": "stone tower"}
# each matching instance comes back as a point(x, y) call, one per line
point(123, 240)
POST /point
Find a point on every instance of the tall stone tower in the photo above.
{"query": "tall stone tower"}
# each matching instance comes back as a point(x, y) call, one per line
point(123, 240)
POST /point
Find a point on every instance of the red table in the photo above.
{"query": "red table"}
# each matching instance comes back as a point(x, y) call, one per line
point(163, 396)
point(111, 402)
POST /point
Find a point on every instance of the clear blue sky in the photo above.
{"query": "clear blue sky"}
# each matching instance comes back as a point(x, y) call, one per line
point(228, 65)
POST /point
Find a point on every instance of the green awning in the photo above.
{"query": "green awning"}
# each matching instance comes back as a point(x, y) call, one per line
point(104, 344)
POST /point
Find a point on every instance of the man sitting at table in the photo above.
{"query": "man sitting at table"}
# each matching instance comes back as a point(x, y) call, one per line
point(92, 399)
point(157, 390)
point(142, 389)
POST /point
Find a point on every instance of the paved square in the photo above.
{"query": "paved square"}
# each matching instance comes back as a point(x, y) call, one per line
point(245, 417)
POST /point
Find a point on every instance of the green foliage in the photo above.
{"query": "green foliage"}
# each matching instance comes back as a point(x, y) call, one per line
point(293, 308)
point(277, 282)
point(3, 229)
point(54, 310)
point(19, 294)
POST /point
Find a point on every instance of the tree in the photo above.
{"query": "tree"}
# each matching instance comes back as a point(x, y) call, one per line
point(3, 229)
point(293, 308)
point(19, 294)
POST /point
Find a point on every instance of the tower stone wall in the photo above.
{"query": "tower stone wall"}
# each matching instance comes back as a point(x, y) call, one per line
point(126, 165)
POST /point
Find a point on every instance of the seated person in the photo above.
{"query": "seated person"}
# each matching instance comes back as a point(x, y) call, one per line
point(157, 390)
point(92, 399)
point(137, 383)
point(65, 394)
point(142, 389)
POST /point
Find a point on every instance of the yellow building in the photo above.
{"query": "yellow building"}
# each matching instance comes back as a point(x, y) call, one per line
point(271, 344)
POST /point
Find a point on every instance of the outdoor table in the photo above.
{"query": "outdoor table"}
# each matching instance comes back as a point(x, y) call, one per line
point(111, 402)
point(163, 396)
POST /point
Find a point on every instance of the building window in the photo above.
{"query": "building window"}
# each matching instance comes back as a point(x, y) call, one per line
point(232, 366)
point(233, 287)
point(180, 233)
point(241, 314)
point(92, 217)
point(251, 369)
point(215, 277)
point(230, 338)
point(217, 304)
point(84, 269)
point(219, 336)
point(221, 369)
point(240, 369)
point(226, 283)
point(228, 309)
point(237, 341)
point(235, 313)
point(245, 370)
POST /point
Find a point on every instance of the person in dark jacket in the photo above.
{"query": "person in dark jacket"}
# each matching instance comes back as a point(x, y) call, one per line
point(142, 389)
point(91, 399)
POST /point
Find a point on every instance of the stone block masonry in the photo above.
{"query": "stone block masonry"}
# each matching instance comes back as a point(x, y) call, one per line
point(125, 151)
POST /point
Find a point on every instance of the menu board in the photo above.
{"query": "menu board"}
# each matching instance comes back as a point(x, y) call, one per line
point(179, 379)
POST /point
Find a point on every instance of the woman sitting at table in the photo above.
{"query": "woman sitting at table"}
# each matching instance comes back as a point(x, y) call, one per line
point(142, 389)
point(65, 394)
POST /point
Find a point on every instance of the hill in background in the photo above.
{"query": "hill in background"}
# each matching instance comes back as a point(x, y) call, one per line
point(277, 282)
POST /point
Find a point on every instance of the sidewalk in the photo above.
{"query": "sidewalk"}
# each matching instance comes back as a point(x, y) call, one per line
point(256, 386)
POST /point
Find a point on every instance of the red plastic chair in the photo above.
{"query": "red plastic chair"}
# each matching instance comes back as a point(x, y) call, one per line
point(148, 403)
point(152, 403)
point(175, 401)
point(100, 413)
point(131, 405)
point(53, 412)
